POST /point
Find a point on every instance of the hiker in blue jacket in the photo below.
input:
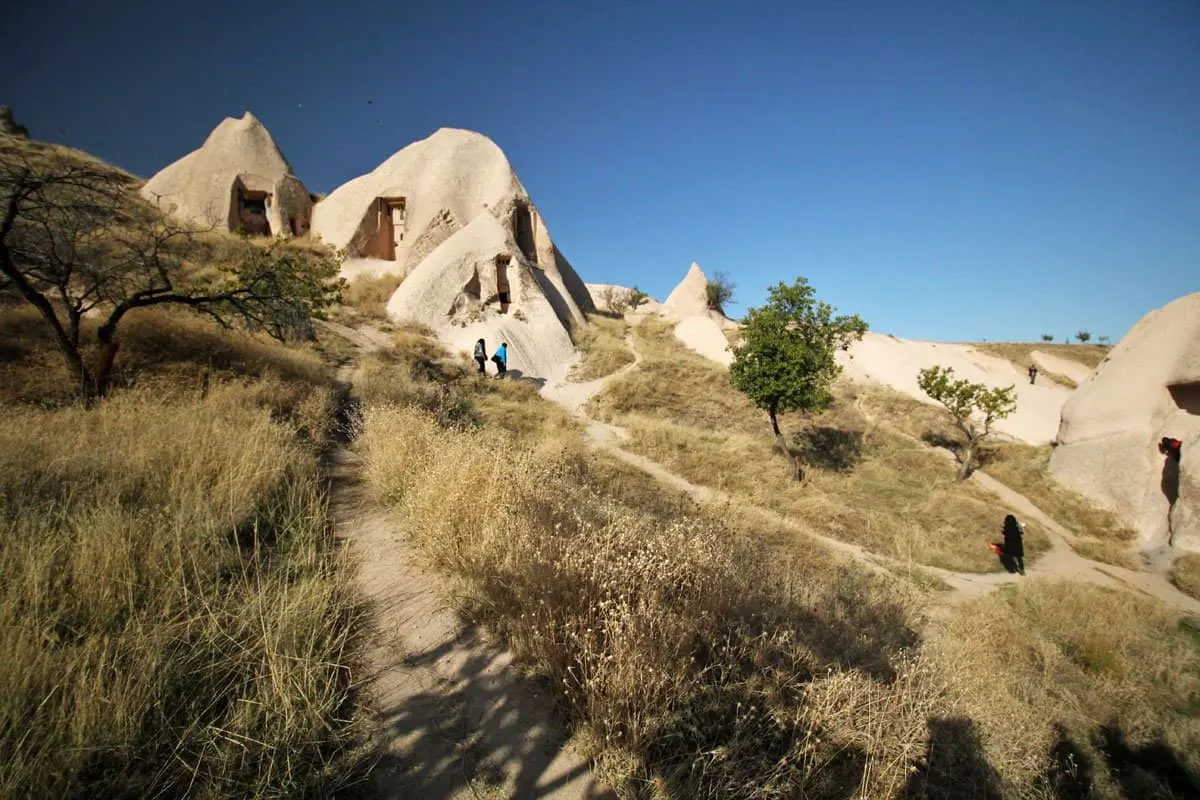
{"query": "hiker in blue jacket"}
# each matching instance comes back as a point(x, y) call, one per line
point(501, 359)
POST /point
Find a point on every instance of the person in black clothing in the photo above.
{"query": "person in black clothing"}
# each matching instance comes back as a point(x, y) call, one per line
point(1171, 448)
point(1014, 547)
point(481, 356)
point(1032, 374)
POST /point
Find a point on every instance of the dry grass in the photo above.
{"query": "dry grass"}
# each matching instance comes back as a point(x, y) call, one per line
point(602, 342)
point(1044, 668)
point(865, 484)
point(1090, 355)
point(174, 617)
point(1026, 468)
point(368, 295)
point(1185, 574)
point(706, 666)
point(678, 386)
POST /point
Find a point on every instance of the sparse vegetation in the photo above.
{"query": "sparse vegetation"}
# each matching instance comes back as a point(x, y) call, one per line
point(602, 343)
point(76, 238)
point(1083, 337)
point(719, 292)
point(1185, 574)
point(174, 617)
point(1047, 337)
point(657, 634)
point(368, 295)
point(1019, 353)
point(973, 408)
point(1068, 688)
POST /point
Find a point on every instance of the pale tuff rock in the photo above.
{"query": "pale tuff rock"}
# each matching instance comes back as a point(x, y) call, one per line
point(457, 289)
point(237, 180)
point(895, 362)
point(699, 327)
point(1061, 366)
point(1147, 388)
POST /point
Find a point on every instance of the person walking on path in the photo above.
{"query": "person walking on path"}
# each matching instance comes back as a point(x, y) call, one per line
point(481, 356)
point(1014, 547)
point(501, 359)
point(1032, 374)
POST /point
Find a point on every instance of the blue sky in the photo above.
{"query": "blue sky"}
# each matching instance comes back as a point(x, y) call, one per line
point(948, 170)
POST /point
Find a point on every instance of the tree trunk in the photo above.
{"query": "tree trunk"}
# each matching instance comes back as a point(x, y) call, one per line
point(968, 455)
point(774, 423)
point(104, 367)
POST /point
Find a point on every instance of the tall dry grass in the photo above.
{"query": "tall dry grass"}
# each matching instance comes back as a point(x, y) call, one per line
point(1068, 683)
point(706, 666)
point(602, 346)
point(174, 619)
point(368, 295)
point(1185, 574)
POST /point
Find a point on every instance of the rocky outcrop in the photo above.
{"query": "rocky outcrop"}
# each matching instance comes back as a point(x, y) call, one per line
point(1147, 388)
point(237, 181)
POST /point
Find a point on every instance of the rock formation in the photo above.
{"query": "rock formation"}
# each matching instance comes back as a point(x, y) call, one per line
point(449, 214)
point(237, 181)
point(1148, 387)
point(696, 325)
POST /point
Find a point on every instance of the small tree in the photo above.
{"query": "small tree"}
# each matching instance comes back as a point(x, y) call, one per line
point(76, 240)
point(720, 291)
point(1083, 337)
point(973, 407)
point(637, 298)
point(1047, 337)
point(1103, 340)
point(785, 361)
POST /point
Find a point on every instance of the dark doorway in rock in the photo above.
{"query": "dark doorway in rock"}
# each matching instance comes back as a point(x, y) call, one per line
point(522, 225)
point(252, 212)
point(502, 290)
point(1186, 396)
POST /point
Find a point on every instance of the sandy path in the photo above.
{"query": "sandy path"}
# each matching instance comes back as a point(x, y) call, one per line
point(1061, 561)
point(457, 718)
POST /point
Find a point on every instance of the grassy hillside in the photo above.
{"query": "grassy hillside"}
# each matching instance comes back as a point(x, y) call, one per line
point(174, 617)
point(704, 655)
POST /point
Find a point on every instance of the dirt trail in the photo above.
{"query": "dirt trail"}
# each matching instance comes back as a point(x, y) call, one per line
point(458, 720)
point(1062, 561)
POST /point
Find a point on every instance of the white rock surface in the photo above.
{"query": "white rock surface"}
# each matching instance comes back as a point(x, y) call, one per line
point(201, 186)
point(1061, 366)
point(705, 336)
point(895, 362)
point(1147, 388)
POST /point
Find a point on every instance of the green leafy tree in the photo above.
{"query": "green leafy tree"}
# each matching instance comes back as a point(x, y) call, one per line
point(1047, 337)
point(77, 240)
point(1083, 337)
point(974, 408)
point(719, 291)
point(785, 361)
point(637, 298)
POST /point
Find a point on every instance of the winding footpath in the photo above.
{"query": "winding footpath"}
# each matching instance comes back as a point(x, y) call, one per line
point(1061, 561)
point(457, 719)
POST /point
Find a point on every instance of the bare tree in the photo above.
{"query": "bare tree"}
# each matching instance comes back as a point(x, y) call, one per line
point(75, 238)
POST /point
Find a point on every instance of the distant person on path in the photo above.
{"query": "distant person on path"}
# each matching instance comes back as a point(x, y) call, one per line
point(501, 359)
point(1014, 547)
point(1032, 374)
point(481, 356)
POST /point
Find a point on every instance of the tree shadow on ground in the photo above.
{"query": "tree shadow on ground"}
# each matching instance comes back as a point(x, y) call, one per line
point(829, 448)
point(1069, 772)
point(477, 730)
point(954, 765)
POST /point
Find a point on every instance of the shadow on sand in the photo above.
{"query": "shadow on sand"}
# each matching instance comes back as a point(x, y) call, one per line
point(470, 735)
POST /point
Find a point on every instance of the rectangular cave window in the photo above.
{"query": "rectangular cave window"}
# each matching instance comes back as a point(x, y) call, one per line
point(502, 290)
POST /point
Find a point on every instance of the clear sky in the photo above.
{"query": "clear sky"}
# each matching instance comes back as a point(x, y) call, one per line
point(950, 170)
